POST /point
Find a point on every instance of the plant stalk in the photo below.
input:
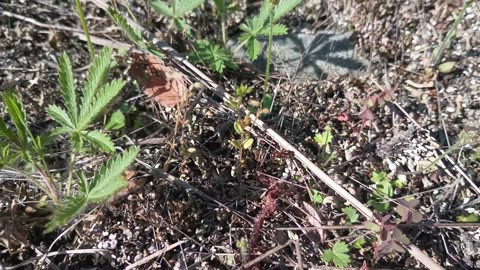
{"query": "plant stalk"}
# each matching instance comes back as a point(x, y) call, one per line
point(269, 52)
point(451, 33)
point(70, 172)
point(85, 28)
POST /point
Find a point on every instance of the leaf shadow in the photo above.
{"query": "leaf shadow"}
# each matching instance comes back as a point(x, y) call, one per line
point(304, 56)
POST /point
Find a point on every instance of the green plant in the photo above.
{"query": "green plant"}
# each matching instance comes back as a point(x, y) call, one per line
point(338, 254)
point(383, 191)
point(352, 214)
point(245, 142)
point(438, 52)
point(133, 34)
point(222, 8)
point(471, 218)
point(78, 5)
point(317, 198)
point(359, 243)
point(177, 11)
point(216, 57)
point(22, 151)
point(324, 140)
point(264, 24)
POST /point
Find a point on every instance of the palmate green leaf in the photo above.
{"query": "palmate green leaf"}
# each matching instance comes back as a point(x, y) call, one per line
point(97, 75)
point(182, 7)
point(212, 55)
point(161, 7)
point(352, 214)
point(325, 137)
point(278, 30)
point(60, 116)
point(73, 207)
point(338, 255)
point(67, 86)
point(17, 113)
point(99, 141)
point(106, 181)
point(283, 7)
point(89, 112)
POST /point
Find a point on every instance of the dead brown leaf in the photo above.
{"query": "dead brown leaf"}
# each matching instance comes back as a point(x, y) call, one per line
point(314, 219)
point(159, 82)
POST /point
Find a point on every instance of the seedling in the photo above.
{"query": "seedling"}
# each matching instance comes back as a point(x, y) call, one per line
point(324, 140)
point(359, 243)
point(383, 191)
point(21, 150)
point(338, 254)
point(264, 24)
point(352, 214)
point(317, 198)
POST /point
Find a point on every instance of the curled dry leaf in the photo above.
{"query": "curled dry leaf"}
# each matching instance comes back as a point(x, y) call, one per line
point(314, 219)
point(159, 82)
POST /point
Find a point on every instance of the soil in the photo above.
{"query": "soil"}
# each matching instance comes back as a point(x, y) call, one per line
point(188, 203)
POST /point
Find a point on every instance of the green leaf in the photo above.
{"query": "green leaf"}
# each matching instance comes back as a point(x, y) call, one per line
point(317, 198)
point(470, 218)
point(381, 207)
point(67, 87)
point(267, 102)
point(359, 243)
point(182, 26)
point(446, 67)
point(247, 144)
point(60, 131)
point(325, 138)
point(101, 99)
point(283, 7)
point(236, 144)
point(379, 177)
point(213, 55)
point(99, 141)
point(238, 128)
point(278, 30)
point(83, 184)
point(161, 7)
point(182, 7)
point(17, 113)
point(369, 225)
point(117, 121)
point(60, 116)
point(253, 49)
point(103, 192)
point(352, 215)
point(73, 207)
point(338, 255)
point(259, 21)
point(7, 133)
point(97, 76)
point(107, 181)
point(132, 33)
